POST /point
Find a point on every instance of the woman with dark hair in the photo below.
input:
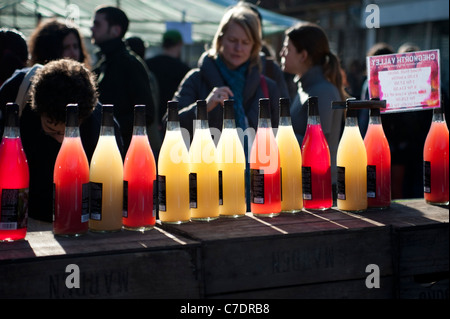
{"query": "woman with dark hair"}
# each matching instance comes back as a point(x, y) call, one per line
point(53, 40)
point(13, 52)
point(306, 53)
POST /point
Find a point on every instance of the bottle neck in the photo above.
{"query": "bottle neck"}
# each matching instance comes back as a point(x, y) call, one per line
point(351, 121)
point(11, 132)
point(72, 131)
point(173, 126)
point(201, 124)
point(438, 117)
point(229, 123)
point(375, 119)
point(264, 122)
point(314, 119)
point(107, 128)
point(285, 121)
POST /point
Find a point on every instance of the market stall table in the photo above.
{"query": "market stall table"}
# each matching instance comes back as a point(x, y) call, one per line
point(312, 254)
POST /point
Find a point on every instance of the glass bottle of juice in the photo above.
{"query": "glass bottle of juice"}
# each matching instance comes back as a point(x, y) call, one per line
point(351, 164)
point(106, 179)
point(173, 170)
point(231, 162)
point(204, 172)
point(139, 177)
point(316, 162)
point(290, 162)
point(71, 181)
point(435, 161)
point(14, 179)
point(265, 184)
point(378, 163)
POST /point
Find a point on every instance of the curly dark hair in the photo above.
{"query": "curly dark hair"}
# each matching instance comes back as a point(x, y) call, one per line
point(46, 42)
point(62, 82)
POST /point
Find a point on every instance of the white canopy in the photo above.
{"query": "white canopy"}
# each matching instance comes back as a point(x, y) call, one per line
point(148, 18)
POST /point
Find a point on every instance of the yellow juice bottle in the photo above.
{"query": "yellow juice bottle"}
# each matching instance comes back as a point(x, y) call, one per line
point(351, 164)
point(231, 165)
point(204, 172)
point(106, 179)
point(173, 172)
point(290, 162)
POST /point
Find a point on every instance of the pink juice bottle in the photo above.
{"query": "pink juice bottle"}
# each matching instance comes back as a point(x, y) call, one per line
point(265, 184)
point(435, 161)
point(139, 175)
point(71, 181)
point(378, 163)
point(316, 162)
point(14, 180)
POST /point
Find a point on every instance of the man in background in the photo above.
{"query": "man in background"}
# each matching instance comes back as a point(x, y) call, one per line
point(122, 76)
point(168, 69)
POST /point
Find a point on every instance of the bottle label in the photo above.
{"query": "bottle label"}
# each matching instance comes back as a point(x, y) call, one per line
point(155, 197)
point(193, 190)
point(85, 203)
point(14, 209)
point(220, 188)
point(96, 191)
point(257, 186)
point(306, 182)
point(341, 182)
point(125, 199)
point(162, 192)
point(427, 177)
point(371, 181)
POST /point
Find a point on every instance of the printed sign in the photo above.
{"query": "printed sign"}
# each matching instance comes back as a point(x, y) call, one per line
point(407, 81)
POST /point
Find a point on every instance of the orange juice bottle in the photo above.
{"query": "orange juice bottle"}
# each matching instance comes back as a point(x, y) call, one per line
point(139, 177)
point(106, 179)
point(231, 162)
point(351, 164)
point(378, 163)
point(265, 184)
point(290, 162)
point(173, 172)
point(204, 171)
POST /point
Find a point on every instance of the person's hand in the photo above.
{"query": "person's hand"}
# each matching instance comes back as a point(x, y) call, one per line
point(217, 96)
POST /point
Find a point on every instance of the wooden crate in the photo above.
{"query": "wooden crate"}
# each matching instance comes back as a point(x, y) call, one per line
point(421, 248)
point(125, 264)
point(307, 255)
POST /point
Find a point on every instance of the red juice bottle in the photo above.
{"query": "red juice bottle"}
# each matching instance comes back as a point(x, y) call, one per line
point(265, 184)
point(435, 161)
point(139, 175)
point(71, 181)
point(14, 180)
point(316, 162)
point(378, 163)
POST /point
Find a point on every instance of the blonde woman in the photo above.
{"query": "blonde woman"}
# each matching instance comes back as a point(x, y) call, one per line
point(231, 69)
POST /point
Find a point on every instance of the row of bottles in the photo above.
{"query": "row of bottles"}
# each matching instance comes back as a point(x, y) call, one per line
point(206, 182)
point(109, 193)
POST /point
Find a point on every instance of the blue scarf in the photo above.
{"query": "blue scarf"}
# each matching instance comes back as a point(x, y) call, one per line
point(236, 81)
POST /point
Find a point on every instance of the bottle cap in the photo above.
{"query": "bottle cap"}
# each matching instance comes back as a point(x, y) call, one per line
point(284, 107)
point(264, 108)
point(139, 115)
point(172, 111)
point(202, 113)
point(313, 106)
point(72, 115)
point(12, 115)
point(107, 115)
point(228, 110)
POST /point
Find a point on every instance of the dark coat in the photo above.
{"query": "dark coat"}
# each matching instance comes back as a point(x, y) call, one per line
point(124, 82)
point(199, 82)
